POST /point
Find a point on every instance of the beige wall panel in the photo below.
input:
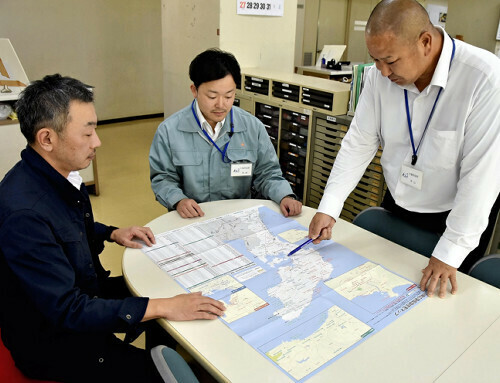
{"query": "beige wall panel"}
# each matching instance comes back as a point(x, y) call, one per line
point(188, 28)
point(259, 41)
point(358, 13)
point(477, 21)
point(299, 32)
point(332, 23)
point(311, 29)
point(114, 45)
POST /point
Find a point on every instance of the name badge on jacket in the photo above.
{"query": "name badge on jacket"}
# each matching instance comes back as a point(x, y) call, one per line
point(241, 169)
point(411, 176)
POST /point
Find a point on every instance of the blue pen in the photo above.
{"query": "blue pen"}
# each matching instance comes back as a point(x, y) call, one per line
point(300, 246)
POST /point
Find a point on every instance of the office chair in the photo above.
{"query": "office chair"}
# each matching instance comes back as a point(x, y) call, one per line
point(8, 370)
point(385, 224)
point(171, 366)
point(487, 269)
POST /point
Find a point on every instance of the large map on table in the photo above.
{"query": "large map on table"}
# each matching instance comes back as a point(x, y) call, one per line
point(302, 311)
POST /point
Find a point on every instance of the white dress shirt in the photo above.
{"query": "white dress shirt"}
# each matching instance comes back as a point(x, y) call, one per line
point(459, 155)
point(75, 179)
point(213, 133)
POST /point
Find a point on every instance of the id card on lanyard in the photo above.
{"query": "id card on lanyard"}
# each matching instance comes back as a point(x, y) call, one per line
point(241, 169)
point(238, 169)
point(409, 175)
point(223, 152)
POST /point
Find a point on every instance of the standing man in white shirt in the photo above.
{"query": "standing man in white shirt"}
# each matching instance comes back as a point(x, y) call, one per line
point(433, 105)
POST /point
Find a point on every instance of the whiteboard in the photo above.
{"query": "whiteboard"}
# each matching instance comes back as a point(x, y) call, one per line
point(331, 52)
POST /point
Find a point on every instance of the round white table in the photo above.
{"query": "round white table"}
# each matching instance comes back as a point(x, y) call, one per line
point(418, 347)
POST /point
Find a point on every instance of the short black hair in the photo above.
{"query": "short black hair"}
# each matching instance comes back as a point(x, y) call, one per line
point(45, 103)
point(214, 64)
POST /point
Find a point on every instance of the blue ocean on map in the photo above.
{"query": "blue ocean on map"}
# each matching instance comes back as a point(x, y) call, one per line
point(379, 300)
point(295, 289)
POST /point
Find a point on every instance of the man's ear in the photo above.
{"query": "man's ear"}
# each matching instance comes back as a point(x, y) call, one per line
point(194, 91)
point(426, 41)
point(45, 138)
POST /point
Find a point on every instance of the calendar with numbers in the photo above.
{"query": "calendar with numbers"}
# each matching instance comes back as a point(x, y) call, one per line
point(260, 8)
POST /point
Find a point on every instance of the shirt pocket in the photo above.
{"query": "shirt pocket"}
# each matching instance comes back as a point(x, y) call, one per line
point(245, 155)
point(186, 158)
point(440, 149)
point(193, 173)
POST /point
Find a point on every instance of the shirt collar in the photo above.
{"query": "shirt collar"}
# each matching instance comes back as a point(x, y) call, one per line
point(75, 179)
point(441, 72)
point(57, 181)
point(440, 76)
point(204, 123)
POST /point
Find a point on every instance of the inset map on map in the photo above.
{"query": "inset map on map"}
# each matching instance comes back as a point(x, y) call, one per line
point(303, 311)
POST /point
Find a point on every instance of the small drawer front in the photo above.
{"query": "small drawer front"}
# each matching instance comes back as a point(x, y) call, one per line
point(317, 98)
point(257, 85)
point(286, 91)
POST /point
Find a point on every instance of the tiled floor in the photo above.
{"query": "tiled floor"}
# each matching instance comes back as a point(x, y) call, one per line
point(125, 196)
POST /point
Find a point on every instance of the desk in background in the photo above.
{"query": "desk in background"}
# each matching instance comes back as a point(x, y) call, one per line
point(338, 75)
point(421, 346)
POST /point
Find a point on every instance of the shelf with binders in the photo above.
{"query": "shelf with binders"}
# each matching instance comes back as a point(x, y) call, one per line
point(293, 152)
point(327, 136)
point(285, 103)
point(295, 90)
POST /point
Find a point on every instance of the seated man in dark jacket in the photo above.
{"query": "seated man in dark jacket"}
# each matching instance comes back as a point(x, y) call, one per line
point(59, 308)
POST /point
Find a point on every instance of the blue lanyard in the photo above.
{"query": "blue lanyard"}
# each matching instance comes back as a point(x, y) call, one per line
point(223, 152)
point(414, 157)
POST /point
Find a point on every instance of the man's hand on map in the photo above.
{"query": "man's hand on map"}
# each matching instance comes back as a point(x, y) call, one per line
point(321, 227)
point(290, 206)
point(184, 307)
point(188, 208)
point(438, 271)
point(126, 236)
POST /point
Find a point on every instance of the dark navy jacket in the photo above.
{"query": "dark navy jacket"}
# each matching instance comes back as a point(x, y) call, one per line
point(50, 274)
